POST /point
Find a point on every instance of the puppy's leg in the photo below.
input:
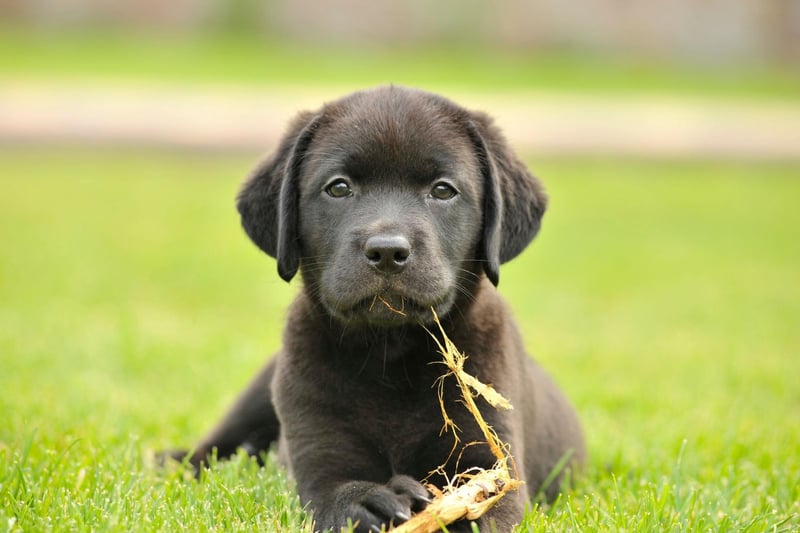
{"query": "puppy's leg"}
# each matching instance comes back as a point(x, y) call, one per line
point(251, 423)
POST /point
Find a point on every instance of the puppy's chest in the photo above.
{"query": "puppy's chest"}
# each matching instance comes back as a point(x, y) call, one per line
point(407, 430)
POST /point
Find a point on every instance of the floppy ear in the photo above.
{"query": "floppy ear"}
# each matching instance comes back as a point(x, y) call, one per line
point(514, 200)
point(268, 199)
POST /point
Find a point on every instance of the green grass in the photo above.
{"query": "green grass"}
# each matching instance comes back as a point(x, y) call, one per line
point(250, 59)
point(662, 295)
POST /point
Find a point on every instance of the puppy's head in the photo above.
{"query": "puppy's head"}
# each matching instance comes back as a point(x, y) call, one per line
point(391, 201)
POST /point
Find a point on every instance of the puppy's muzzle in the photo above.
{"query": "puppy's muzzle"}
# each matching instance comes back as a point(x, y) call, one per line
point(388, 254)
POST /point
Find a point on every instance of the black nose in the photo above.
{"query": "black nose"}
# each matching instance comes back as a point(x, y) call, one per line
point(387, 253)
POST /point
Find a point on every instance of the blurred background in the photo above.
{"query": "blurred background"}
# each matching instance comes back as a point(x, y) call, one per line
point(687, 77)
point(662, 292)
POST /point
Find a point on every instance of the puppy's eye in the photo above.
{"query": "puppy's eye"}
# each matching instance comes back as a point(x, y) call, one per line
point(338, 189)
point(443, 191)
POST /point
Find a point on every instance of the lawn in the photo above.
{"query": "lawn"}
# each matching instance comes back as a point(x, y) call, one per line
point(663, 296)
point(250, 59)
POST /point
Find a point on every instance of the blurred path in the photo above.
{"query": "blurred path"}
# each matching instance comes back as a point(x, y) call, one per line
point(252, 119)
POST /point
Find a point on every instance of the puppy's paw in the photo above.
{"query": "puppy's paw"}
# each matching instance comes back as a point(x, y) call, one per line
point(382, 506)
point(164, 457)
point(172, 459)
point(410, 491)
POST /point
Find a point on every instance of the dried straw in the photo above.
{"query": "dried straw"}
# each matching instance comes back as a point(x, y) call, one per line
point(472, 493)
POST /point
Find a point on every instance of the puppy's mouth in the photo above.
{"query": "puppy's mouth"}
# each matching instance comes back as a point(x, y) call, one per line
point(389, 310)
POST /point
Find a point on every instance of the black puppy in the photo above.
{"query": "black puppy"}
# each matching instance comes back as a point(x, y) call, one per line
point(390, 202)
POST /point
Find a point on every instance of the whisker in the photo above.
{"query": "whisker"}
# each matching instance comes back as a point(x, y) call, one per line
point(364, 364)
point(474, 276)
